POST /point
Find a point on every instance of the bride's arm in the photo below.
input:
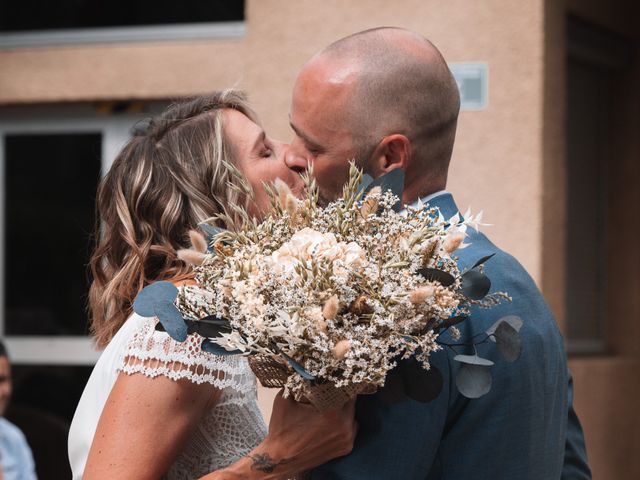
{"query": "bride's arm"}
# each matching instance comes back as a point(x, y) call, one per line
point(144, 425)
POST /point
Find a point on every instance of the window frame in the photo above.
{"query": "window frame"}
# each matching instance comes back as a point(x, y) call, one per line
point(115, 129)
point(137, 33)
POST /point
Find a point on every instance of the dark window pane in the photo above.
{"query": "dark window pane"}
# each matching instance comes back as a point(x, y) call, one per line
point(63, 14)
point(586, 153)
point(50, 184)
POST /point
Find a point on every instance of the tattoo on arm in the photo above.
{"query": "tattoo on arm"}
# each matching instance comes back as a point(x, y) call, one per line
point(262, 462)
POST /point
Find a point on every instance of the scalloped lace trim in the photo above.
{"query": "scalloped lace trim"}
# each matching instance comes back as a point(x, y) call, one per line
point(153, 353)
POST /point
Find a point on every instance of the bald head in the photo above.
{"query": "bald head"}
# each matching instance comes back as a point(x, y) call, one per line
point(393, 81)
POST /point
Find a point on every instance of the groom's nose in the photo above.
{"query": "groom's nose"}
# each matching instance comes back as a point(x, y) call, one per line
point(295, 159)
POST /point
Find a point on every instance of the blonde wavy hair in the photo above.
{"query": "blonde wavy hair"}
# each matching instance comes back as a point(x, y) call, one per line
point(169, 177)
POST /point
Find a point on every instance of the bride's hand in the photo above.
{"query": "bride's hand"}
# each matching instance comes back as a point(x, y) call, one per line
point(299, 439)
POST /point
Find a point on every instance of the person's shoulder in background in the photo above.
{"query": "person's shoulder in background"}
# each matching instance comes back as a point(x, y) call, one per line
point(15, 453)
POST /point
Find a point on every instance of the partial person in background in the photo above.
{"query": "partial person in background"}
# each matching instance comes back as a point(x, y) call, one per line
point(16, 461)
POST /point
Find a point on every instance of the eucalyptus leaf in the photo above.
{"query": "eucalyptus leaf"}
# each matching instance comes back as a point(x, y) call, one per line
point(212, 347)
point(210, 326)
point(146, 300)
point(393, 391)
point(436, 275)
point(171, 320)
point(420, 384)
point(475, 285)
point(209, 229)
point(509, 341)
point(513, 320)
point(474, 381)
point(299, 368)
point(473, 360)
point(482, 261)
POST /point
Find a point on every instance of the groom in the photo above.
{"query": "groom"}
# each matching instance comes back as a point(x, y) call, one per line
point(386, 98)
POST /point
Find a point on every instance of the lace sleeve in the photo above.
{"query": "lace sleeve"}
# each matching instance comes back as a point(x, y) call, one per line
point(155, 353)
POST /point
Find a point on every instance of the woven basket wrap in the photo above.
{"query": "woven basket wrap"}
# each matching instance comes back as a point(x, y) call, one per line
point(325, 397)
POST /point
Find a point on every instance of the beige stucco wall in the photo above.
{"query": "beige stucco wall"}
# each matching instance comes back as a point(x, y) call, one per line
point(497, 158)
point(508, 158)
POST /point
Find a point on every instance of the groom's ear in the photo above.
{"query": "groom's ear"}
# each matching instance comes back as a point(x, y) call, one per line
point(393, 151)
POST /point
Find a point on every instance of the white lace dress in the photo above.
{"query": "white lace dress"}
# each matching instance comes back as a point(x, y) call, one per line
point(228, 431)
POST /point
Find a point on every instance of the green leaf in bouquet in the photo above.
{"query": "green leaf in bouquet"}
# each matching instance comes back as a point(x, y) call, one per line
point(475, 285)
point(420, 384)
point(171, 320)
point(212, 347)
point(210, 326)
point(474, 380)
point(211, 231)
point(513, 320)
point(156, 300)
point(473, 360)
point(145, 302)
point(508, 340)
point(437, 275)
point(482, 261)
point(393, 390)
point(298, 368)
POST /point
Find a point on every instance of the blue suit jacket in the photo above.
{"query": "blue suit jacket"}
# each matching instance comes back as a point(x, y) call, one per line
point(525, 428)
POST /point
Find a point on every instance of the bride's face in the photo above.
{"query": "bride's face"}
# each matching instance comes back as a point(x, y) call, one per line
point(259, 158)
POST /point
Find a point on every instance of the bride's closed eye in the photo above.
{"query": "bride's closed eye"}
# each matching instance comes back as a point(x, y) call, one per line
point(266, 151)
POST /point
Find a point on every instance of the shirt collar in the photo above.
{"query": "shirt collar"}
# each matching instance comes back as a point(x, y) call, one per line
point(428, 198)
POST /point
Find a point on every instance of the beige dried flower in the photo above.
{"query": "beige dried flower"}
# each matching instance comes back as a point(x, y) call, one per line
point(453, 242)
point(291, 205)
point(191, 256)
point(371, 202)
point(198, 241)
point(283, 191)
point(419, 295)
point(341, 349)
point(330, 309)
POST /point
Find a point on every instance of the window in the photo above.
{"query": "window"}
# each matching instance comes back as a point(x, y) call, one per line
point(51, 160)
point(50, 164)
point(50, 183)
point(595, 61)
point(81, 21)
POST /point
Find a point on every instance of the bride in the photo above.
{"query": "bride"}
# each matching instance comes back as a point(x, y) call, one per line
point(154, 408)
